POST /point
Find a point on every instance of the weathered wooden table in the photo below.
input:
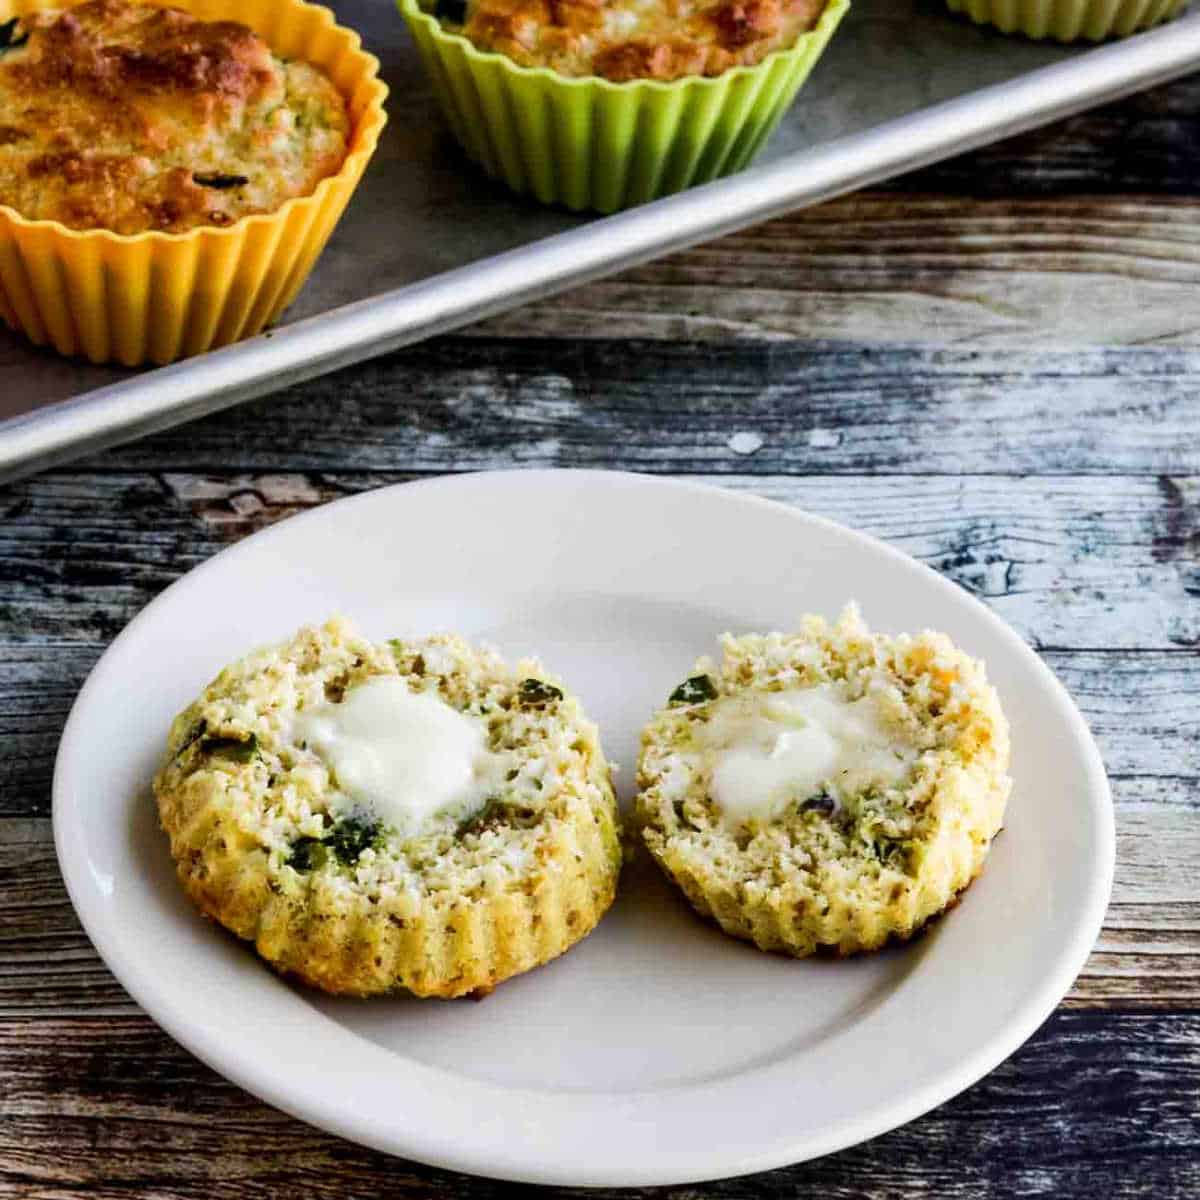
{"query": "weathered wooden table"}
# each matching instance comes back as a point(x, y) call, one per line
point(994, 365)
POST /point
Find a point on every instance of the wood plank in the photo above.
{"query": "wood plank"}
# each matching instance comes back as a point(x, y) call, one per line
point(1148, 955)
point(1067, 563)
point(38, 685)
point(890, 267)
point(1145, 143)
point(100, 547)
point(673, 407)
point(1141, 708)
point(114, 1107)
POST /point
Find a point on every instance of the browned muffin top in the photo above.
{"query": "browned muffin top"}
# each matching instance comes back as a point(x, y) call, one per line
point(623, 40)
point(129, 117)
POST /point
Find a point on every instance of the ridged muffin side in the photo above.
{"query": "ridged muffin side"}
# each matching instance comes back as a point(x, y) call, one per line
point(266, 842)
point(819, 876)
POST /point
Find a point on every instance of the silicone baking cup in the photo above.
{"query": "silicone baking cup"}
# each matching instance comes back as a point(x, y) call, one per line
point(1069, 20)
point(588, 143)
point(156, 297)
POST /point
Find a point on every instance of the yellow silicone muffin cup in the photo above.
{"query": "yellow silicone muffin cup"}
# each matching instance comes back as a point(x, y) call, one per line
point(588, 143)
point(1069, 20)
point(155, 297)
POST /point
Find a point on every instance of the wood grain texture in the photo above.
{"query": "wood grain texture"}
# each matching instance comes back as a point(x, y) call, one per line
point(112, 1108)
point(1146, 143)
point(1068, 560)
point(894, 267)
point(673, 407)
point(1085, 232)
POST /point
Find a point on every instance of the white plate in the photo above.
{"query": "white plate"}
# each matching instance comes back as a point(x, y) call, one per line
point(657, 1051)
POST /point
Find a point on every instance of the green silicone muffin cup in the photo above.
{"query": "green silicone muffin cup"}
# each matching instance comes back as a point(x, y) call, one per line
point(592, 144)
point(1069, 20)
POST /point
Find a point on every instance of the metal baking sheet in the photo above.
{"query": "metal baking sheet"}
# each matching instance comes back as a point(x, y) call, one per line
point(429, 244)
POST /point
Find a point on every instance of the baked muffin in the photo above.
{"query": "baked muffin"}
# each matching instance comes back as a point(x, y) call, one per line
point(604, 104)
point(129, 118)
point(623, 40)
point(416, 814)
point(826, 790)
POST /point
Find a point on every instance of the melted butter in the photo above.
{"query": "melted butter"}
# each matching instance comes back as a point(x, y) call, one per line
point(408, 756)
point(767, 750)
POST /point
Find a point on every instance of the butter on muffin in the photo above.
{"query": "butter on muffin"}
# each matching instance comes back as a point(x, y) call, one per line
point(416, 814)
point(829, 789)
point(132, 118)
point(622, 40)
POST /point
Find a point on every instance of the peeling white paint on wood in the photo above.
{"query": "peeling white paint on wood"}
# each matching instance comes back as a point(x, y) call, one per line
point(462, 404)
point(898, 268)
point(1070, 561)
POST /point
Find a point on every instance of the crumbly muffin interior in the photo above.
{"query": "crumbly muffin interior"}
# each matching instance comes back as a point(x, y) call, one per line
point(287, 798)
point(875, 851)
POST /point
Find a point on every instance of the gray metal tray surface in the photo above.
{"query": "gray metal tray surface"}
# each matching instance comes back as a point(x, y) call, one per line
point(429, 244)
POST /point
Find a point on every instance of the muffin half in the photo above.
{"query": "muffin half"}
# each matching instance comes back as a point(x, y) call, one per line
point(413, 815)
point(829, 789)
